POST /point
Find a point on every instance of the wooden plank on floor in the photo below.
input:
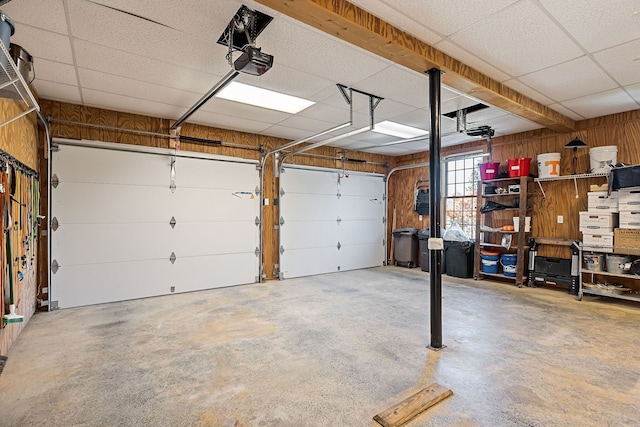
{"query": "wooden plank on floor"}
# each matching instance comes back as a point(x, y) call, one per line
point(409, 408)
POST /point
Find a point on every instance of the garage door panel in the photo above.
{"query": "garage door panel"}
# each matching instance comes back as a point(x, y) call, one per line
point(309, 207)
point(354, 257)
point(101, 203)
point(361, 185)
point(80, 164)
point(308, 262)
point(208, 204)
point(361, 232)
point(198, 173)
point(214, 238)
point(309, 234)
point(88, 284)
point(309, 181)
point(360, 208)
point(78, 244)
point(214, 271)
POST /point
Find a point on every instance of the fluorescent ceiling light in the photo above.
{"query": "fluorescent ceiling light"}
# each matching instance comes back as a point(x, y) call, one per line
point(264, 98)
point(396, 129)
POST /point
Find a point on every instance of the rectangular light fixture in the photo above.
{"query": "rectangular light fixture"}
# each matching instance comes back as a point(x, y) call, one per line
point(396, 129)
point(264, 98)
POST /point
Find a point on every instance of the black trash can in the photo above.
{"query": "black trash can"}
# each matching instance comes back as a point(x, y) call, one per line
point(405, 249)
point(458, 258)
point(425, 259)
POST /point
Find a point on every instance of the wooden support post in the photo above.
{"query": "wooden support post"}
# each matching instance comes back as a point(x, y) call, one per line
point(412, 406)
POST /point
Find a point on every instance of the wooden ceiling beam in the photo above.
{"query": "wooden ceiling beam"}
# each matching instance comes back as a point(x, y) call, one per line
point(358, 27)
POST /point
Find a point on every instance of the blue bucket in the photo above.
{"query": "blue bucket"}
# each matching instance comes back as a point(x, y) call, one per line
point(489, 263)
point(509, 262)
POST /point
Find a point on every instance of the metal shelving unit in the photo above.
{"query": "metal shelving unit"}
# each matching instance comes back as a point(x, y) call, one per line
point(520, 237)
point(13, 85)
point(612, 293)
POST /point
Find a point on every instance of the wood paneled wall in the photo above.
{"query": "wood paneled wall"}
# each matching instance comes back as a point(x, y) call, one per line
point(621, 130)
point(19, 139)
point(81, 114)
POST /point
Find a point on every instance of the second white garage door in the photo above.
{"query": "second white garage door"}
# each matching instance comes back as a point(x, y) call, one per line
point(330, 221)
point(116, 239)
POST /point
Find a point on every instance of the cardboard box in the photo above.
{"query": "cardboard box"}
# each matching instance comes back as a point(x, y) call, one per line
point(626, 241)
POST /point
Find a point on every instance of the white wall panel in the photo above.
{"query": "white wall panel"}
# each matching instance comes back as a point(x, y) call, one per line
point(114, 239)
point(311, 231)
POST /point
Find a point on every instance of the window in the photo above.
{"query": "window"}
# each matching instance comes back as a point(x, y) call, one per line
point(461, 183)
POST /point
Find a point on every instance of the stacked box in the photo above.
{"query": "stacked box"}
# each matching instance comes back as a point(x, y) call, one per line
point(598, 223)
point(629, 207)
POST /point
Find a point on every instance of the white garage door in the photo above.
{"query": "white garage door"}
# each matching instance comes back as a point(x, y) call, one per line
point(114, 238)
point(330, 222)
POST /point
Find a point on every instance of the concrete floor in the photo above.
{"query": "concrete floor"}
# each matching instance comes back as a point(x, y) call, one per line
point(331, 350)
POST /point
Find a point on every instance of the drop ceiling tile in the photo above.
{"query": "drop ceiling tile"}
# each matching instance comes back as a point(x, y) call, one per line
point(634, 92)
point(243, 111)
point(442, 16)
point(602, 104)
point(518, 86)
point(318, 53)
point(598, 25)
point(457, 139)
point(285, 132)
point(109, 83)
point(325, 113)
point(308, 125)
point(56, 72)
point(506, 125)
point(101, 58)
point(408, 87)
point(46, 14)
point(458, 103)
point(94, 98)
point(517, 40)
point(57, 91)
point(101, 25)
point(566, 112)
point(388, 109)
point(417, 118)
point(481, 117)
point(570, 80)
point(227, 122)
point(44, 44)
point(621, 61)
point(470, 59)
point(397, 16)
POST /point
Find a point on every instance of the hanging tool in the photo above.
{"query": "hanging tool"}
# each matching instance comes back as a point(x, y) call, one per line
point(11, 317)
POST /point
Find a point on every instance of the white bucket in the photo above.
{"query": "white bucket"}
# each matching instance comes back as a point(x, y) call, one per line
point(548, 165)
point(602, 158)
point(527, 224)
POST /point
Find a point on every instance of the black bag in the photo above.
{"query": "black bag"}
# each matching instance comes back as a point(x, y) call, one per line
point(422, 202)
point(625, 177)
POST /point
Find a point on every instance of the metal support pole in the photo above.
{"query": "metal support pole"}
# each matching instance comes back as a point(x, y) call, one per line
point(435, 271)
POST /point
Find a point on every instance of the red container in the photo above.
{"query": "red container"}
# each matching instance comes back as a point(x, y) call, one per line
point(489, 170)
point(518, 167)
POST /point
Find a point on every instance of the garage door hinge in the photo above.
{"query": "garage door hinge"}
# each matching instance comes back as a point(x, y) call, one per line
point(173, 257)
point(54, 224)
point(257, 221)
point(257, 252)
point(384, 220)
point(257, 190)
point(281, 221)
point(281, 192)
point(384, 242)
point(339, 246)
point(339, 220)
point(172, 223)
point(54, 266)
point(339, 195)
point(384, 197)
point(281, 249)
point(55, 181)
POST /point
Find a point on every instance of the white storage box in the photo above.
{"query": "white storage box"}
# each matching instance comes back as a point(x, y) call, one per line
point(630, 219)
point(629, 199)
point(598, 201)
point(597, 220)
point(601, 242)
